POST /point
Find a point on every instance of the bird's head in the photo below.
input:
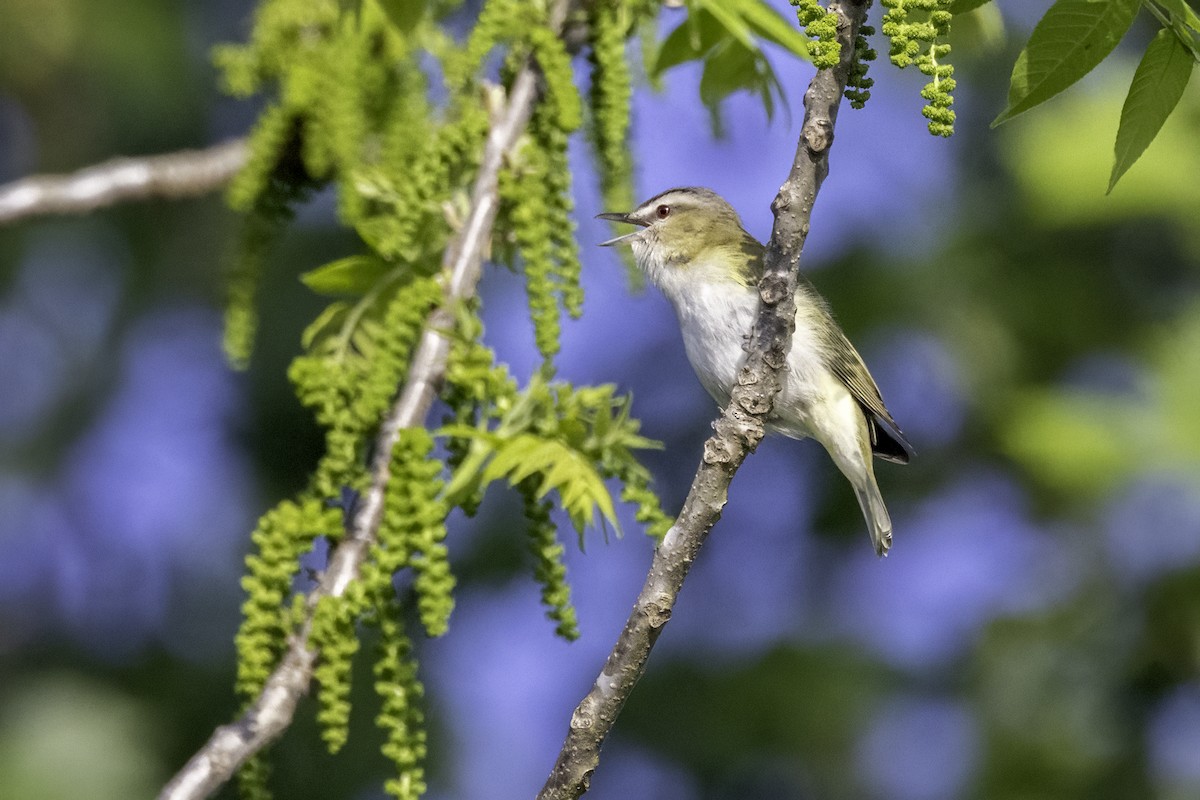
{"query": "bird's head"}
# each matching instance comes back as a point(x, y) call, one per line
point(689, 235)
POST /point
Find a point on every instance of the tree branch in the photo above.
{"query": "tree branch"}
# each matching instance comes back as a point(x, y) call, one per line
point(737, 431)
point(188, 173)
point(270, 715)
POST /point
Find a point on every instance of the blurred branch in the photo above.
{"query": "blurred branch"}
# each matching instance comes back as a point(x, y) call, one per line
point(738, 430)
point(271, 714)
point(187, 173)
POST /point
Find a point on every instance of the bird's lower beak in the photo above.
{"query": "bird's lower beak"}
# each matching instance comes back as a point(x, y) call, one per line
point(618, 217)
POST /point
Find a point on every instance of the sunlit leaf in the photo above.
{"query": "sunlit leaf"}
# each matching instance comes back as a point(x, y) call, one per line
point(680, 46)
point(732, 67)
point(690, 41)
point(353, 275)
point(325, 324)
point(726, 36)
point(730, 18)
point(1180, 10)
point(963, 6)
point(404, 14)
point(1158, 83)
point(466, 477)
point(563, 469)
point(768, 24)
point(1069, 41)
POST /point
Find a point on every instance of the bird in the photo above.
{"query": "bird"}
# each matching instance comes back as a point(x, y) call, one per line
point(691, 245)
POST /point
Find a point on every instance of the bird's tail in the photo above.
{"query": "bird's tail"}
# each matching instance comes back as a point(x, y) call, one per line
point(876, 514)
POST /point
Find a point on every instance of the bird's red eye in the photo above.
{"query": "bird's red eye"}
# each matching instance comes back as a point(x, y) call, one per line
point(663, 212)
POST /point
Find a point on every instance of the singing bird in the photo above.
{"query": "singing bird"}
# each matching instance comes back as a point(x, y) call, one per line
point(690, 243)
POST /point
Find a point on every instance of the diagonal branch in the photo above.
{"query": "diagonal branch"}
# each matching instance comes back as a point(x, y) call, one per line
point(188, 173)
point(738, 430)
point(271, 714)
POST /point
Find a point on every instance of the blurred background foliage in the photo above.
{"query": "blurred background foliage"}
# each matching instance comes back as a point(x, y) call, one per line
point(1035, 633)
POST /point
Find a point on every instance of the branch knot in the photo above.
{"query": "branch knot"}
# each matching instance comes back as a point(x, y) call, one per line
point(773, 288)
point(717, 450)
point(817, 135)
point(658, 612)
point(756, 403)
point(582, 719)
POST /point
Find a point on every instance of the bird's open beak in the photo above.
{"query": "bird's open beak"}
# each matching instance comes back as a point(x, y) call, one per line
point(618, 217)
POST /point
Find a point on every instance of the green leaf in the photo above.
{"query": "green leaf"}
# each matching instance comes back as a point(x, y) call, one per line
point(690, 41)
point(1069, 41)
point(514, 457)
point(728, 16)
point(324, 324)
point(1158, 83)
point(1183, 12)
point(964, 6)
point(404, 14)
point(353, 275)
point(770, 25)
point(731, 67)
point(726, 34)
point(541, 455)
point(466, 477)
point(364, 336)
point(580, 488)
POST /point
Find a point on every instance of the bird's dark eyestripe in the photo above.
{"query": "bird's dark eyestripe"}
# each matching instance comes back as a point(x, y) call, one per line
point(688, 190)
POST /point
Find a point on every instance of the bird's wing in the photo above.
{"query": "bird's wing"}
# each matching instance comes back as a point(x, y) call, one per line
point(887, 440)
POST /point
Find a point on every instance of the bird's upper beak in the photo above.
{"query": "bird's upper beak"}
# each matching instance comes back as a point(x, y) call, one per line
point(612, 216)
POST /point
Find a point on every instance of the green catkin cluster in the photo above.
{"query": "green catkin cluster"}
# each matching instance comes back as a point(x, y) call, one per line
point(353, 107)
point(348, 390)
point(252, 778)
point(562, 233)
point(333, 74)
point(282, 536)
point(404, 208)
point(537, 213)
point(526, 217)
point(499, 21)
point(858, 85)
point(609, 95)
point(820, 26)
point(548, 567)
point(413, 531)
point(536, 185)
point(400, 715)
point(537, 191)
point(334, 637)
point(274, 134)
point(257, 236)
point(350, 101)
point(410, 535)
point(266, 198)
point(477, 391)
point(635, 482)
point(914, 28)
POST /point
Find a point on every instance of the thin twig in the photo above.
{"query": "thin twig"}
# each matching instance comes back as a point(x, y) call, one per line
point(738, 430)
point(231, 745)
point(188, 173)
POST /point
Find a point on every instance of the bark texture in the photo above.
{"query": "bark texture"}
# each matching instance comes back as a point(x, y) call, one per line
point(737, 431)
